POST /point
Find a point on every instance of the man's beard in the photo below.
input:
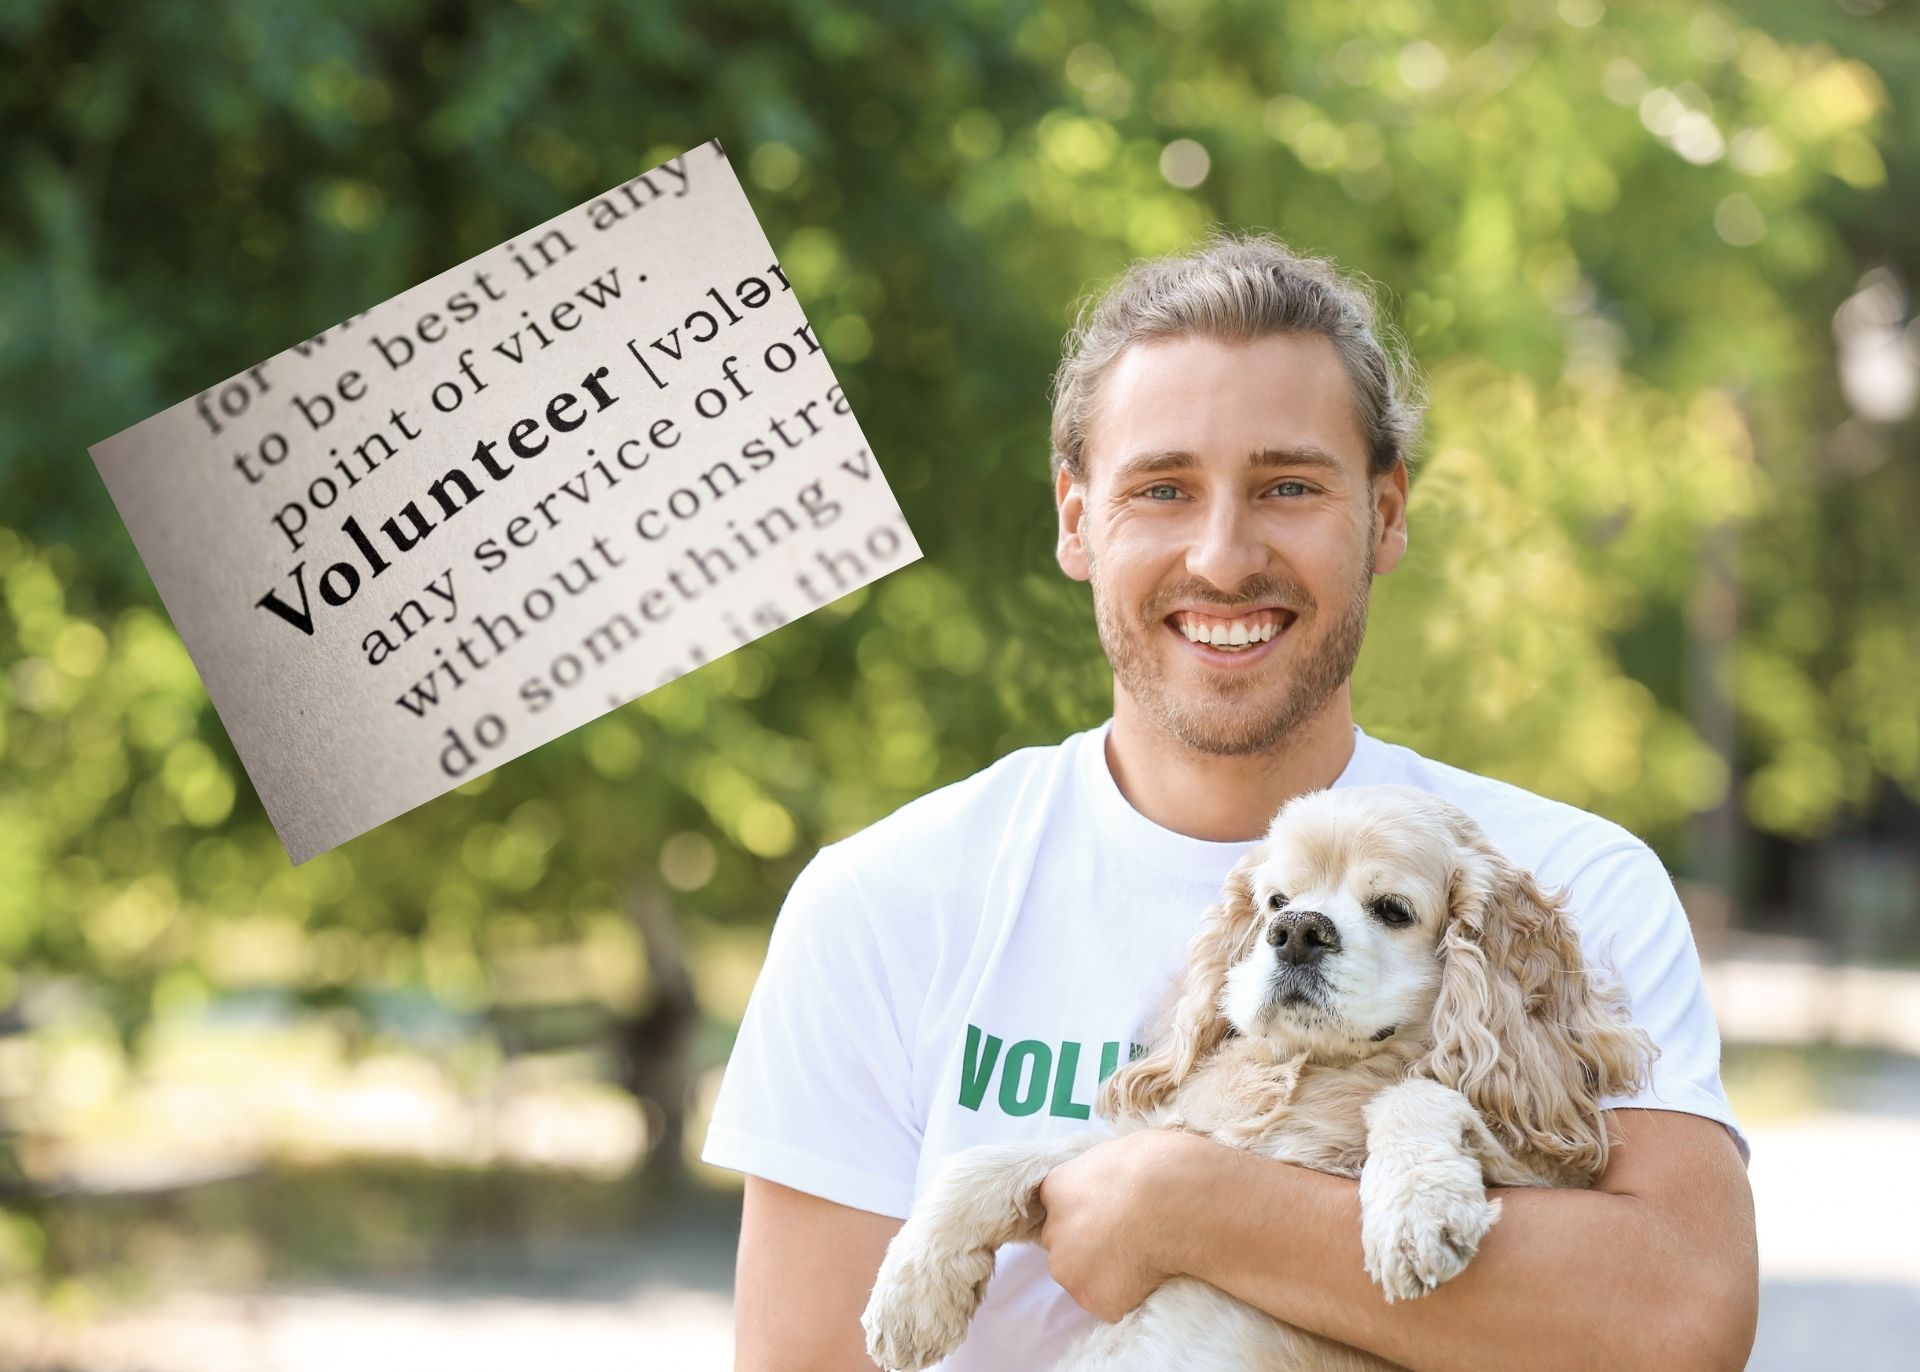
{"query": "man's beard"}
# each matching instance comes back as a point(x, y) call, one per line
point(1224, 726)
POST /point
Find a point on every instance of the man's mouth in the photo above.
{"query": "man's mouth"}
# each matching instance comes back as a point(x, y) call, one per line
point(1236, 633)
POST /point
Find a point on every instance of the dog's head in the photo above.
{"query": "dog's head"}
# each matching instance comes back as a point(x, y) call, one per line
point(1348, 900)
point(1379, 918)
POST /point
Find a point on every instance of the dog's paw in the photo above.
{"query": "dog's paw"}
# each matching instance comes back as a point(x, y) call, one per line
point(1421, 1227)
point(921, 1304)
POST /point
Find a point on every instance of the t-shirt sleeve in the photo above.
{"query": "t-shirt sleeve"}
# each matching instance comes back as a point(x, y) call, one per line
point(1632, 920)
point(818, 1093)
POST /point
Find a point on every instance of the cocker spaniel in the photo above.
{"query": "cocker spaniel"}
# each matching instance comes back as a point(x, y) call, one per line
point(1380, 993)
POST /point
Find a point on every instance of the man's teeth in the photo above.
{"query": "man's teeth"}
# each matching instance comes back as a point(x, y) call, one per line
point(1238, 633)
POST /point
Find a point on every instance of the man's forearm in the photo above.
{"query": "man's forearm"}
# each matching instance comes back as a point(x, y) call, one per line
point(1565, 1279)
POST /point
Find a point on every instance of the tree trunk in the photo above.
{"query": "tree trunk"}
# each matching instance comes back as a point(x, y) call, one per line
point(656, 1044)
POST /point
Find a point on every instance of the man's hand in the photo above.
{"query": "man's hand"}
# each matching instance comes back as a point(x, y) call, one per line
point(1101, 1229)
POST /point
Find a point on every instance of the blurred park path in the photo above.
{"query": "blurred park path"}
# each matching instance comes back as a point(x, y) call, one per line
point(1835, 1196)
point(661, 1302)
point(1822, 1064)
point(1781, 991)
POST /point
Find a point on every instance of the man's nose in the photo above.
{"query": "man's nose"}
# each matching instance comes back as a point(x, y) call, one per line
point(1302, 937)
point(1227, 549)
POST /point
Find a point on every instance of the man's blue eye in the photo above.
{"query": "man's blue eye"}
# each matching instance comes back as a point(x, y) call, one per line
point(1155, 492)
point(1292, 488)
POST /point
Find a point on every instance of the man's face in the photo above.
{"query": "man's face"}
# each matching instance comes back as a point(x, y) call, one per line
point(1230, 532)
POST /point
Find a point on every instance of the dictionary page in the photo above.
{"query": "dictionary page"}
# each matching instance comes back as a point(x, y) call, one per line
point(505, 501)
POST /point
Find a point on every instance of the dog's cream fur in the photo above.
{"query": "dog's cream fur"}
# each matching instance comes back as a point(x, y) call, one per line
point(1468, 1045)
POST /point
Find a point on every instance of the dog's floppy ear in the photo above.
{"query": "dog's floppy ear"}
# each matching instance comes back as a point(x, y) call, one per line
point(1196, 1025)
point(1522, 1027)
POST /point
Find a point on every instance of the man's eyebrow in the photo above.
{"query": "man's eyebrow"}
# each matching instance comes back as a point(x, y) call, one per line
point(1178, 459)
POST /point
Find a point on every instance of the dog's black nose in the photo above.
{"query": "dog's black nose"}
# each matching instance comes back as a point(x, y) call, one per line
point(1303, 936)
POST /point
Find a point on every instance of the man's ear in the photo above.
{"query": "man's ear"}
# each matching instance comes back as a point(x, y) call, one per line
point(1071, 551)
point(1390, 510)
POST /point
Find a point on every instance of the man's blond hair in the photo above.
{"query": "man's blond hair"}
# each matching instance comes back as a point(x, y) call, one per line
point(1238, 288)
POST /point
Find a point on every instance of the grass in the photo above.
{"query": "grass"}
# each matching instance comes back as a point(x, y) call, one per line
point(1769, 1083)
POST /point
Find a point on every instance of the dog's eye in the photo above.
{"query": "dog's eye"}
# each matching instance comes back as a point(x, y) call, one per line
point(1276, 901)
point(1392, 911)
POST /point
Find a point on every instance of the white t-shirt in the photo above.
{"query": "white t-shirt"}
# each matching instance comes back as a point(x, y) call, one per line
point(970, 968)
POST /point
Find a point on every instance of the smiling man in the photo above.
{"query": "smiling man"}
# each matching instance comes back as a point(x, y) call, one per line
point(1230, 450)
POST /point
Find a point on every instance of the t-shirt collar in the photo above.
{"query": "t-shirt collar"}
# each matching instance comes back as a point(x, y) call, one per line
point(1159, 844)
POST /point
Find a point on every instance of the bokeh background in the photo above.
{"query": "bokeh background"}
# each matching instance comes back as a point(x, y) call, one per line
point(436, 1096)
